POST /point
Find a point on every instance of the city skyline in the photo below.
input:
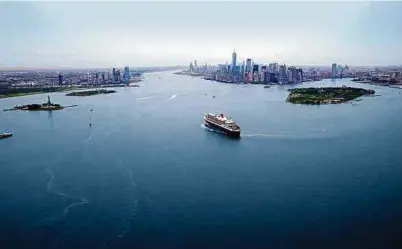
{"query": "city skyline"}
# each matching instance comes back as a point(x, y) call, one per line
point(138, 34)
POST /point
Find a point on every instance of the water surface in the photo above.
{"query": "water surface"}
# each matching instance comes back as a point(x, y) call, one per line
point(148, 175)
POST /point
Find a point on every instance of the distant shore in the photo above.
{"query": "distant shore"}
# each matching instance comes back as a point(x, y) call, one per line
point(19, 92)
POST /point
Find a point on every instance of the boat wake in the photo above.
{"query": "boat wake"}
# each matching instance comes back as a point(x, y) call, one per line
point(311, 134)
point(261, 135)
point(50, 221)
point(210, 129)
point(144, 98)
point(130, 176)
point(172, 96)
point(79, 201)
point(49, 183)
point(89, 137)
point(127, 220)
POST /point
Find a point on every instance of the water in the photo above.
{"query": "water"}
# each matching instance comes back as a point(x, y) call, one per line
point(147, 174)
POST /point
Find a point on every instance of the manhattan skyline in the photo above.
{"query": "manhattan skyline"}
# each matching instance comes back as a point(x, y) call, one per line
point(104, 34)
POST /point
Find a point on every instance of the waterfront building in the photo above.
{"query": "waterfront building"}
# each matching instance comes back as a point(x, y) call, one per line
point(290, 76)
point(126, 73)
point(271, 67)
point(293, 74)
point(255, 68)
point(248, 66)
point(191, 67)
point(299, 77)
point(267, 77)
point(234, 57)
point(222, 68)
point(274, 67)
point(282, 74)
point(273, 77)
point(263, 69)
point(242, 70)
point(334, 70)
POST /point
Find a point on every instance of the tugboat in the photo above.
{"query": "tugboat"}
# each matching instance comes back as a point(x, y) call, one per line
point(5, 135)
point(222, 123)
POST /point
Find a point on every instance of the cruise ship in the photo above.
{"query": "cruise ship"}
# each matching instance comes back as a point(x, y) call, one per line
point(5, 135)
point(222, 123)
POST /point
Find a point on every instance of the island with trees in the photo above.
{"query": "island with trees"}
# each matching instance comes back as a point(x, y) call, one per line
point(90, 92)
point(48, 106)
point(325, 95)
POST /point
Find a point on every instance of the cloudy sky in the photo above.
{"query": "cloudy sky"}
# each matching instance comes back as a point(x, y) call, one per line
point(106, 34)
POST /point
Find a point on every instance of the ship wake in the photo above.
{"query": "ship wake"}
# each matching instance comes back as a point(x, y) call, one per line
point(205, 127)
point(144, 98)
point(132, 205)
point(52, 220)
point(49, 185)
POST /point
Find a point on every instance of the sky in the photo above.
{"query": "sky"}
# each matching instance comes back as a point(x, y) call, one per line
point(109, 34)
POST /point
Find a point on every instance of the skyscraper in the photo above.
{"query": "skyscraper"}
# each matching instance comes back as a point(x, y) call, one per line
point(290, 76)
point(118, 76)
point(195, 65)
point(60, 79)
point(191, 67)
point(234, 57)
point(282, 74)
point(126, 73)
point(333, 70)
point(114, 75)
point(248, 65)
point(299, 77)
point(242, 69)
point(294, 74)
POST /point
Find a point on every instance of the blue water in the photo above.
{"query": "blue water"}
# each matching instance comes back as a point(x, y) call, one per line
point(148, 175)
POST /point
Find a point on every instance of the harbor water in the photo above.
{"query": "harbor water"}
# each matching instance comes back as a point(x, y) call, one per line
point(148, 174)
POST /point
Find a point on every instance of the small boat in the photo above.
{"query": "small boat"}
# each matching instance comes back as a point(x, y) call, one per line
point(5, 135)
point(353, 103)
point(267, 86)
point(359, 99)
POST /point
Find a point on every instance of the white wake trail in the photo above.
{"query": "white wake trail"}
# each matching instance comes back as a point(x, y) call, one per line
point(49, 183)
point(210, 129)
point(144, 98)
point(130, 176)
point(82, 202)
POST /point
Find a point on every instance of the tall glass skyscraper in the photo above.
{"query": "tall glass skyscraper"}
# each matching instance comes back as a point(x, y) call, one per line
point(234, 60)
point(126, 73)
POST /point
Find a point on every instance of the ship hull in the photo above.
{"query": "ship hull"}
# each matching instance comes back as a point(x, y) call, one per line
point(227, 132)
point(5, 135)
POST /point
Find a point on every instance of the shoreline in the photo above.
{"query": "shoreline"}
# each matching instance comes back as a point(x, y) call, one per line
point(34, 91)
